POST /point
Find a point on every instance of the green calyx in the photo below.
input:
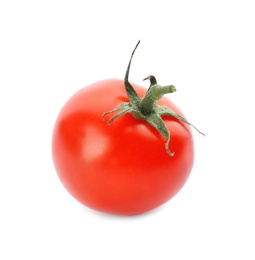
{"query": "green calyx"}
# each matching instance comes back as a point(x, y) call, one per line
point(146, 108)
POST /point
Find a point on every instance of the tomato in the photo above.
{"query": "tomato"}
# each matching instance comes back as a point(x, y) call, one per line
point(122, 168)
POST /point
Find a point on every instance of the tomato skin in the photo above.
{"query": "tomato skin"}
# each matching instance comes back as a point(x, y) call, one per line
point(121, 168)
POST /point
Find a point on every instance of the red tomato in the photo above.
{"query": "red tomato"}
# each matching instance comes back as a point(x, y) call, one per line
point(121, 168)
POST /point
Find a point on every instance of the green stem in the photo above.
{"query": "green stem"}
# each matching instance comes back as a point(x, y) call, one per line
point(154, 93)
point(158, 91)
point(146, 108)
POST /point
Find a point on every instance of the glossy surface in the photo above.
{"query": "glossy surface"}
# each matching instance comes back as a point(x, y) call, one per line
point(122, 168)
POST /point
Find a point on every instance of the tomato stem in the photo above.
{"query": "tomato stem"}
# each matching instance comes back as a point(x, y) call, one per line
point(154, 93)
point(146, 108)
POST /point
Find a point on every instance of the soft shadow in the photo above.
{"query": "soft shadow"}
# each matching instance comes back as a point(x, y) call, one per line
point(99, 214)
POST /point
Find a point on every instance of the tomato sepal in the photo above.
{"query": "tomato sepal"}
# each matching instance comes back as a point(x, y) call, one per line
point(146, 108)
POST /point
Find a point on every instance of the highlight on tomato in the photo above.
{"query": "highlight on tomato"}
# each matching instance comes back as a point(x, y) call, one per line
point(122, 149)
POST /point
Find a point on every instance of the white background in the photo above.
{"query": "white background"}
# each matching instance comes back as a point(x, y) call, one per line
point(51, 49)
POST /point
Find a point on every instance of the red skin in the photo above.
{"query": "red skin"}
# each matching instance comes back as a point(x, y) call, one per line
point(121, 168)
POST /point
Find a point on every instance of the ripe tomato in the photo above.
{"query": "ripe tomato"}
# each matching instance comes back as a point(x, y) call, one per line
point(122, 168)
